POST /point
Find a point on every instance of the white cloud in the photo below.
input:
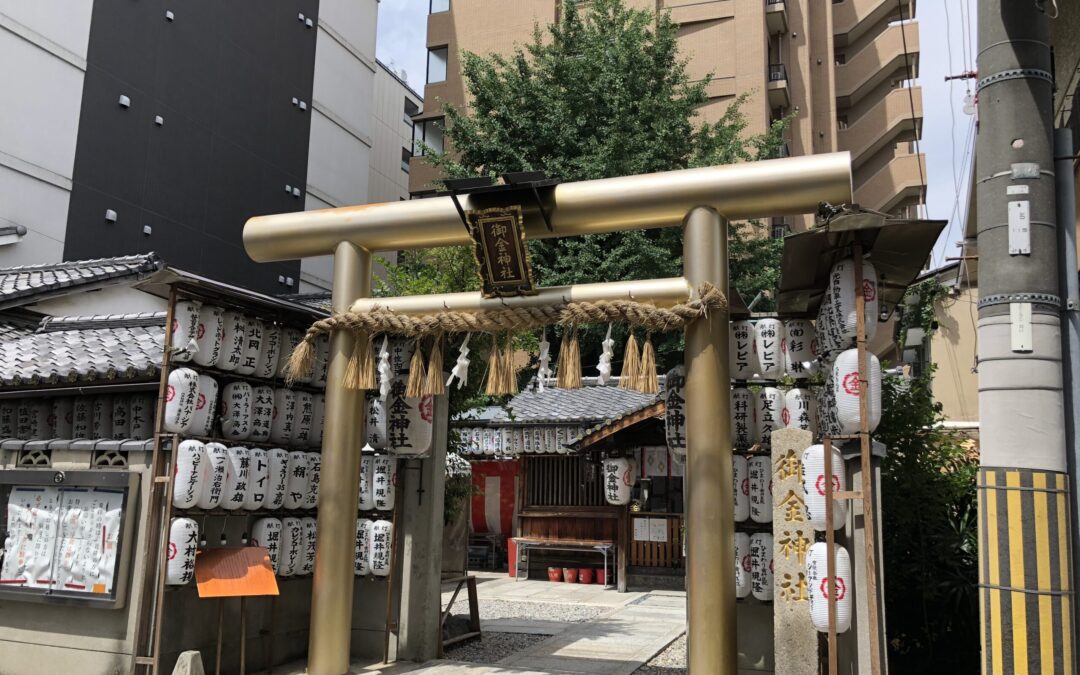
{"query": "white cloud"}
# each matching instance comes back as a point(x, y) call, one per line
point(402, 37)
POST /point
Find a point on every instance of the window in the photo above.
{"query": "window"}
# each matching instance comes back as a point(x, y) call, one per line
point(780, 229)
point(436, 65)
point(405, 156)
point(429, 132)
point(410, 109)
point(439, 6)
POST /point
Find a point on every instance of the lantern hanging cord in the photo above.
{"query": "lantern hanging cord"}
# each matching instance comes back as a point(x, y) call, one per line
point(384, 321)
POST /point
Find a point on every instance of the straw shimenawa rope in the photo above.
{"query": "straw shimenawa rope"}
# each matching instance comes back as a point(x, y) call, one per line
point(382, 320)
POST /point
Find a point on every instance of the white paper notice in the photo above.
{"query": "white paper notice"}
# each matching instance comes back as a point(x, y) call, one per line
point(641, 529)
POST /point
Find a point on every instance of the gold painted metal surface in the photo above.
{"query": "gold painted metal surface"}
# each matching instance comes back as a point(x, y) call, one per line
point(752, 189)
point(710, 510)
point(332, 584)
point(659, 292)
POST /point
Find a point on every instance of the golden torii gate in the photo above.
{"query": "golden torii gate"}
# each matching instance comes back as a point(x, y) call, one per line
point(703, 201)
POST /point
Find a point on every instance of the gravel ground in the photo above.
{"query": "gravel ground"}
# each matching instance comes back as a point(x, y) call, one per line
point(492, 647)
point(504, 609)
point(668, 662)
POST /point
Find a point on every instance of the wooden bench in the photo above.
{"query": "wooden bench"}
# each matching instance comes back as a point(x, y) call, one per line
point(603, 547)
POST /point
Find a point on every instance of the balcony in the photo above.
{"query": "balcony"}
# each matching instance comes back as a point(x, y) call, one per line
point(888, 121)
point(853, 18)
point(897, 184)
point(776, 16)
point(777, 86)
point(876, 63)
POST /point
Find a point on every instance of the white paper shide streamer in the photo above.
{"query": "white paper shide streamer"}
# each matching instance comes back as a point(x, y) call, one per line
point(460, 371)
point(743, 565)
point(675, 411)
point(814, 484)
point(761, 566)
point(768, 341)
point(740, 479)
point(183, 542)
point(743, 361)
point(817, 576)
point(607, 353)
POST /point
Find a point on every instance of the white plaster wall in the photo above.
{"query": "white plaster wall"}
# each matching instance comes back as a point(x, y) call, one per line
point(43, 46)
point(119, 299)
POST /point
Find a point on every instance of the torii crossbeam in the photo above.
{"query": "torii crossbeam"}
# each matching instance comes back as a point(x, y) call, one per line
point(702, 201)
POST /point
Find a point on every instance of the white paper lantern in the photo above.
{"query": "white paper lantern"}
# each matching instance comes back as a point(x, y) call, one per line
point(839, 309)
point(9, 419)
point(304, 417)
point(237, 472)
point(825, 398)
point(800, 410)
point(253, 342)
point(517, 441)
point(817, 581)
point(743, 408)
point(296, 486)
point(184, 325)
point(314, 474)
point(376, 420)
point(538, 440)
point(476, 438)
point(384, 482)
point(180, 396)
point(675, 410)
point(266, 368)
point(742, 360)
point(361, 559)
point(143, 412)
point(236, 407)
point(183, 542)
point(309, 530)
point(799, 348)
point(527, 441)
point(289, 338)
point(549, 440)
point(262, 413)
point(487, 441)
point(740, 479)
point(101, 416)
point(768, 415)
point(217, 466)
point(209, 333)
point(743, 565)
point(813, 475)
point(278, 477)
point(189, 474)
point(618, 480)
point(759, 469)
point(266, 532)
point(292, 547)
point(318, 420)
point(321, 367)
point(367, 478)
point(61, 417)
point(415, 418)
point(33, 419)
point(845, 381)
point(232, 343)
point(382, 535)
point(121, 417)
point(283, 417)
point(761, 562)
point(258, 483)
point(202, 422)
point(768, 347)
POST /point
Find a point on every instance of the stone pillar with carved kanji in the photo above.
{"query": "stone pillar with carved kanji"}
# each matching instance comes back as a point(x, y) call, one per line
point(795, 639)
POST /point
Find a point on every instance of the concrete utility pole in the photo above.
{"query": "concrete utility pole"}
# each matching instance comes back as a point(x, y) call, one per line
point(1025, 564)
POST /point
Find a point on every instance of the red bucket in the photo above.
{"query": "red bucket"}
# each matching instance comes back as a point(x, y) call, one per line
point(554, 574)
point(601, 577)
point(585, 575)
point(570, 575)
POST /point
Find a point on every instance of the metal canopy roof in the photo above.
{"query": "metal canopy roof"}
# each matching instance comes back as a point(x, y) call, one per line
point(897, 248)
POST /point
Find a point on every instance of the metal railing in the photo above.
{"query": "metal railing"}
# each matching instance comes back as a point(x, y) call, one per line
point(777, 72)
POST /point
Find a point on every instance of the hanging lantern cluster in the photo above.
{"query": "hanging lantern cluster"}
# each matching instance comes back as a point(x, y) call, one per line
point(769, 349)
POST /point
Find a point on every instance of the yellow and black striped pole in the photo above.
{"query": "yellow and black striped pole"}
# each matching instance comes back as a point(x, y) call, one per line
point(1025, 597)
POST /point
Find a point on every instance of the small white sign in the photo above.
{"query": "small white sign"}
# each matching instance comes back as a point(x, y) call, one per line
point(1020, 228)
point(658, 530)
point(641, 529)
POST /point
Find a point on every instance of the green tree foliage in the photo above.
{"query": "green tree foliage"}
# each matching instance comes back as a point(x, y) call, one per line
point(602, 93)
point(929, 530)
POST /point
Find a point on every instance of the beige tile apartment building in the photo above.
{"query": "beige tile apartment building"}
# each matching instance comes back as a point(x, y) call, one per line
point(844, 68)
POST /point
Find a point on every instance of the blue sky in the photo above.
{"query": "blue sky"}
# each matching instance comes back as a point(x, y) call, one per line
point(947, 39)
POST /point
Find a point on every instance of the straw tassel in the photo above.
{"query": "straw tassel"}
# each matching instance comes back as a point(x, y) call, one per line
point(301, 361)
point(631, 368)
point(434, 384)
point(494, 373)
point(569, 366)
point(352, 370)
point(509, 372)
point(646, 380)
point(414, 387)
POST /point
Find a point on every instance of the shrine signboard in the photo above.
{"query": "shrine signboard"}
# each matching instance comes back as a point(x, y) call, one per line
point(499, 236)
